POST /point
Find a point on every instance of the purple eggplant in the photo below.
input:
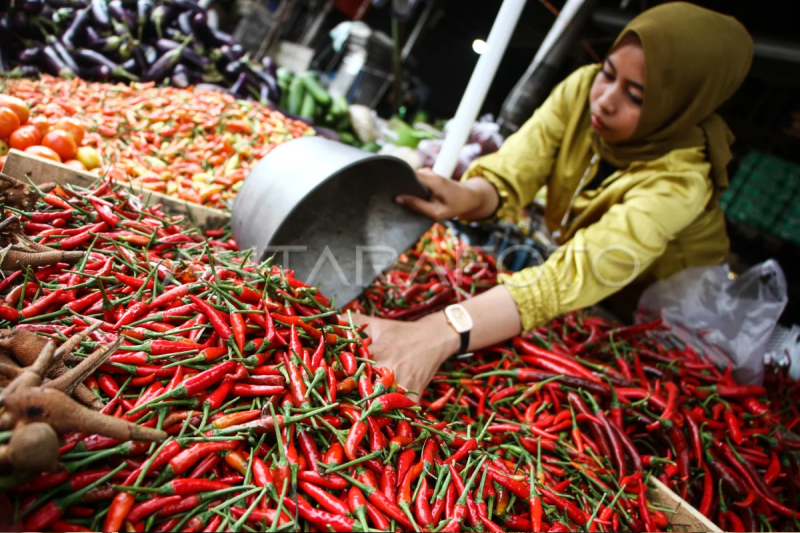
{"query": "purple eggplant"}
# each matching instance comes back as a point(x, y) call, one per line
point(161, 17)
point(130, 65)
point(263, 94)
point(118, 12)
point(100, 14)
point(54, 65)
point(63, 53)
point(150, 54)
point(259, 76)
point(125, 51)
point(239, 88)
point(144, 9)
point(75, 29)
point(92, 58)
point(30, 56)
point(165, 64)
point(270, 66)
point(181, 76)
point(5, 66)
point(174, 34)
point(206, 33)
point(92, 37)
point(95, 73)
point(189, 54)
point(185, 23)
point(213, 19)
point(107, 45)
point(226, 54)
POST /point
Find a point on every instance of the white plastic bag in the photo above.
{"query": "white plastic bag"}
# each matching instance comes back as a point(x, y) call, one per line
point(728, 319)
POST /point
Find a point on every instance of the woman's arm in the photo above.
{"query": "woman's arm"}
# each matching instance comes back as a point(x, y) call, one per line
point(415, 350)
point(604, 257)
point(511, 177)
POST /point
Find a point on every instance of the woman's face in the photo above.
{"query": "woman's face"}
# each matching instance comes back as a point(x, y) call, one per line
point(618, 91)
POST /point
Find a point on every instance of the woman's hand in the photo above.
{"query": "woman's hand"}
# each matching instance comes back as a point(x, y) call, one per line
point(414, 350)
point(474, 199)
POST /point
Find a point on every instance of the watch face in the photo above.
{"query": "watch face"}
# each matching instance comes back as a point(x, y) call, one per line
point(459, 318)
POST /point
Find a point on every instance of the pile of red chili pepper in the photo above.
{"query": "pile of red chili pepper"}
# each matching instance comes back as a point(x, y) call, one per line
point(440, 270)
point(253, 378)
point(278, 419)
point(607, 401)
point(194, 144)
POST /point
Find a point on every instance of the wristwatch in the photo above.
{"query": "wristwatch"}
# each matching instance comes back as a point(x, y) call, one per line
point(459, 319)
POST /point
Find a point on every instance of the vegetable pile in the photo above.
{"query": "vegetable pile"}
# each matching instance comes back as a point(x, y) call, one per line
point(175, 42)
point(602, 401)
point(303, 95)
point(440, 270)
point(194, 144)
point(60, 140)
point(252, 377)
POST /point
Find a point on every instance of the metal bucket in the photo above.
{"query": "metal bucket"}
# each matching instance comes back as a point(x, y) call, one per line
point(326, 210)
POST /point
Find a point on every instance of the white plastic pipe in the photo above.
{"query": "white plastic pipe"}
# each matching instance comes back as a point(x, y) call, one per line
point(556, 31)
point(478, 86)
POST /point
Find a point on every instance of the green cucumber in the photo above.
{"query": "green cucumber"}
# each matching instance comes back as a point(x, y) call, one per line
point(316, 89)
point(296, 91)
point(308, 109)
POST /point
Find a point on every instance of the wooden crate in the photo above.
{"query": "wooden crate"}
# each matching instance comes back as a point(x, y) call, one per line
point(39, 170)
point(685, 517)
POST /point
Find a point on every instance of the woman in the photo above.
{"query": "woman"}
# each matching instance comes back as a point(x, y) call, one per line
point(633, 157)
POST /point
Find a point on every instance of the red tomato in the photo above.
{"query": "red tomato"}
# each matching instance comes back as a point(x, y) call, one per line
point(62, 143)
point(9, 121)
point(19, 107)
point(43, 151)
point(42, 124)
point(2, 161)
point(74, 163)
point(73, 126)
point(24, 137)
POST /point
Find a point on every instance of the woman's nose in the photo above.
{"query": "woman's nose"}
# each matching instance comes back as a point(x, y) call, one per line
point(607, 103)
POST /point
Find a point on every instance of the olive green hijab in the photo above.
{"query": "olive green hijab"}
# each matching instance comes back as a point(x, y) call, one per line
point(695, 59)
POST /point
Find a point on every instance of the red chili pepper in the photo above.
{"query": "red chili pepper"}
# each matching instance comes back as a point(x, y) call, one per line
point(463, 451)
point(774, 469)
point(218, 319)
point(120, 507)
point(142, 510)
point(181, 487)
point(319, 518)
point(358, 504)
point(40, 305)
point(443, 400)
point(388, 402)
point(309, 449)
point(194, 384)
point(733, 426)
point(297, 386)
point(187, 458)
point(357, 433)
point(329, 481)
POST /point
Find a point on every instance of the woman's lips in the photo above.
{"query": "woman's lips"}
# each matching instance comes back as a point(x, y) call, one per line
point(598, 124)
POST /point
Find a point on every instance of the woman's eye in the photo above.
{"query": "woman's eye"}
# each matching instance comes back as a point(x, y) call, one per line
point(635, 99)
point(608, 75)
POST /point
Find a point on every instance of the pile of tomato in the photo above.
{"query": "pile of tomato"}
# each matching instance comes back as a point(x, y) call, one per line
point(58, 140)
